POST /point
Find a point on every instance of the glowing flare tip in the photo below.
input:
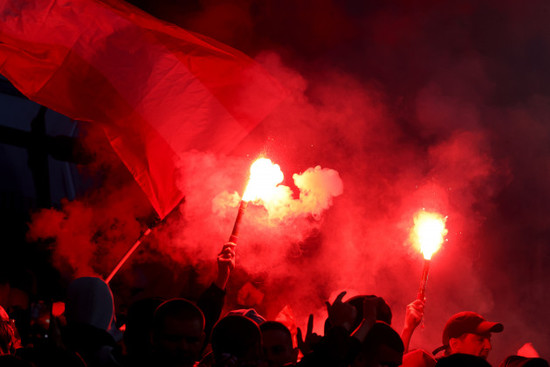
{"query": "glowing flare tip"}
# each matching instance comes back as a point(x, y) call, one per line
point(429, 232)
point(264, 177)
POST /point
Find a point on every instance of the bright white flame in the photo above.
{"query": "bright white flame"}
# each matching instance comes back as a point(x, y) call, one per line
point(264, 178)
point(428, 232)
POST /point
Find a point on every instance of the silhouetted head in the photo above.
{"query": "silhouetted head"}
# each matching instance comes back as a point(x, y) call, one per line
point(139, 323)
point(277, 344)
point(178, 333)
point(90, 302)
point(381, 347)
point(238, 340)
point(383, 311)
point(251, 313)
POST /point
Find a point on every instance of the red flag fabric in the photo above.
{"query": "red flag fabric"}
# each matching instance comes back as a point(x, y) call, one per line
point(156, 89)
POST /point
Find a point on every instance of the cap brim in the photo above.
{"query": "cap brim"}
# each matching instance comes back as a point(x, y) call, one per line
point(489, 327)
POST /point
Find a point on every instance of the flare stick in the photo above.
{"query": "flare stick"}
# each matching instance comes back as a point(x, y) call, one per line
point(235, 233)
point(424, 280)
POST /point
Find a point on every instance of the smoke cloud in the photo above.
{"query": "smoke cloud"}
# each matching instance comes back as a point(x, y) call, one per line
point(392, 108)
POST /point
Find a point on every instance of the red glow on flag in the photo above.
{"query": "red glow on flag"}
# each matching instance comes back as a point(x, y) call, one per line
point(158, 91)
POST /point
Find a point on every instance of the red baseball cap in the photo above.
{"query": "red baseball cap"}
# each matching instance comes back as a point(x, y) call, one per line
point(468, 322)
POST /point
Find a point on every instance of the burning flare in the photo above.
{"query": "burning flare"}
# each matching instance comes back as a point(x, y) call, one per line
point(264, 178)
point(262, 184)
point(428, 232)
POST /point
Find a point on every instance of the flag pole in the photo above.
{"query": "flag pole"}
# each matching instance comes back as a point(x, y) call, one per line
point(151, 224)
point(127, 255)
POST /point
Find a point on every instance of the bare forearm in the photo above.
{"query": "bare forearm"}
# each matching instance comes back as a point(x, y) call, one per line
point(221, 280)
point(406, 336)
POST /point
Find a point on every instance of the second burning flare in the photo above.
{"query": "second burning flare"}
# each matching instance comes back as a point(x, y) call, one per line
point(427, 235)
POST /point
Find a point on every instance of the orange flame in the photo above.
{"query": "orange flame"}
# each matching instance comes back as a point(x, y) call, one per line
point(264, 178)
point(428, 232)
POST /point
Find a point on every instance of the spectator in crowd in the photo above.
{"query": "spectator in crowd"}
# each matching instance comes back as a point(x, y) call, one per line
point(277, 345)
point(177, 334)
point(91, 331)
point(137, 336)
point(468, 333)
point(340, 344)
point(382, 347)
point(237, 342)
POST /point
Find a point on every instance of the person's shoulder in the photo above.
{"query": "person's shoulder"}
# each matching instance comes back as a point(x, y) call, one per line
point(461, 360)
point(518, 361)
point(418, 358)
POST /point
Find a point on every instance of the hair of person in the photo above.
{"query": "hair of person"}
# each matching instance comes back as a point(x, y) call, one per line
point(139, 323)
point(275, 325)
point(235, 335)
point(383, 310)
point(382, 334)
point(447, 351)
point(179, 308)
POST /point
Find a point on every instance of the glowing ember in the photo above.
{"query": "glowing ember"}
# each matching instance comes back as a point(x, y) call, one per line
point(429, 232)
point(264, 178)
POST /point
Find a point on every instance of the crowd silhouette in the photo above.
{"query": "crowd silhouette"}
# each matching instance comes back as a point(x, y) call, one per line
point(177, 332)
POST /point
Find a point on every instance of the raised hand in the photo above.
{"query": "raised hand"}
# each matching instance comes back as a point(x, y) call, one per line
point(306, 345)
point(340, 313)
point(414, 314)
point(226, 263)
point(369, 318)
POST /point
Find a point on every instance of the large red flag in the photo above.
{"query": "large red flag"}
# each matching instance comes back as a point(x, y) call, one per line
point(156, 89)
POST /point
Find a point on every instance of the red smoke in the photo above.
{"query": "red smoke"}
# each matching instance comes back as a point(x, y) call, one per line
point(436, 105)
point(91, 234)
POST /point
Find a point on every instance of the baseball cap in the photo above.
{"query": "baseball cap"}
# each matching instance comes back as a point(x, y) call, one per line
point(468, 322)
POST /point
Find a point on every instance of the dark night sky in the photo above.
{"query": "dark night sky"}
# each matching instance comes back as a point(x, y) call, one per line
point(443, 104)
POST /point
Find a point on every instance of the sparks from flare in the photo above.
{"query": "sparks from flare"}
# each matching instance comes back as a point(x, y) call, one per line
point(428, 232)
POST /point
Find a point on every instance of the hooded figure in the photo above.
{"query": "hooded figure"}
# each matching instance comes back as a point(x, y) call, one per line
point(90, 315)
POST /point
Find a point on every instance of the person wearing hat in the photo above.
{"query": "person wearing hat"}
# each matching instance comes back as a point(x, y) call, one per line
point(468, 333)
